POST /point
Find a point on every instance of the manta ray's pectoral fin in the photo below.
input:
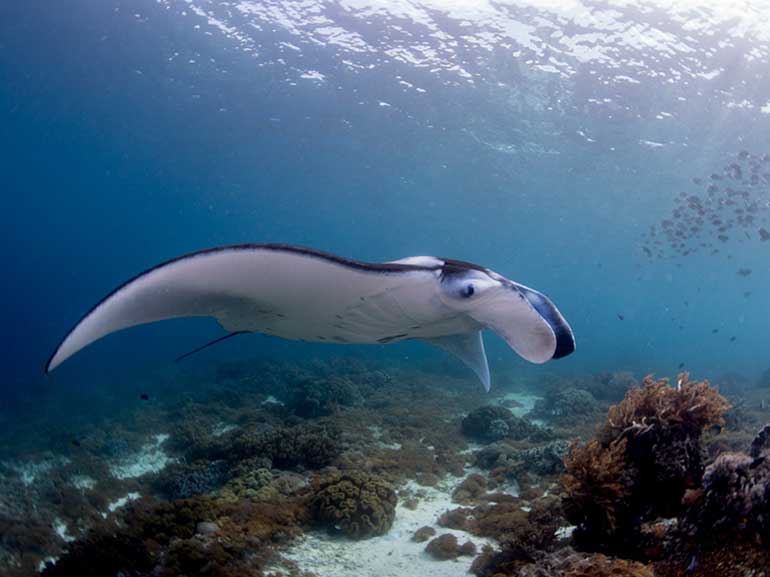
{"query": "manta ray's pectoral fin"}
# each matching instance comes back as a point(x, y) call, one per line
point(469, 348)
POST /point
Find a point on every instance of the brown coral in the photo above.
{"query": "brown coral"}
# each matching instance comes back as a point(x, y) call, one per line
point(648, 454)
point(165, 539)
point(692, 406)
point(598, 483)
point(358, 504)
point(601, 566)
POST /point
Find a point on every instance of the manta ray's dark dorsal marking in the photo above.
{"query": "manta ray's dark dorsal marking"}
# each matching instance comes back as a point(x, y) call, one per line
point(306, 294)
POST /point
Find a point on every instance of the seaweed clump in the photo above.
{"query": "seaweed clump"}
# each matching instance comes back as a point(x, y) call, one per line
point(490, 423)
point(356, 503)
point(647, 455)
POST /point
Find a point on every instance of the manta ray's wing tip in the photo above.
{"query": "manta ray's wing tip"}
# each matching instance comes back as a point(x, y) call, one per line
point(52, 361)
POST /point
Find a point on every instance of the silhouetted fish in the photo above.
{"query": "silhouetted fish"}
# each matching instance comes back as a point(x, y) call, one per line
point(744, 271)
point(764, 234)
point(621, 317)
point(144, 397)
point(75, 442)
point(732, 339)
point(714, 331)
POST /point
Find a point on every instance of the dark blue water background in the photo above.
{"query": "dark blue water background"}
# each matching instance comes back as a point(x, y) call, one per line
point(128, 136)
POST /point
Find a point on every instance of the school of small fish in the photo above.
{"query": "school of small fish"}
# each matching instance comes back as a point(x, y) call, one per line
point(732, 205)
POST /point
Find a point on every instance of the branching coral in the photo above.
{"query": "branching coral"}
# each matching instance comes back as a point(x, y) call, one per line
point(358, 504)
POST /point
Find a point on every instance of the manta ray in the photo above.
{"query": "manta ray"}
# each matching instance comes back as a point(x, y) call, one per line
point(306, 294)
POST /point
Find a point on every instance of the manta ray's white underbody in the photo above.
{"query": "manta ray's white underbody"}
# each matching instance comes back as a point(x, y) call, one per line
point(305, 294)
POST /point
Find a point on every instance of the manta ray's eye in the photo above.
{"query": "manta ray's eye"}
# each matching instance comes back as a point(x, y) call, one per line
point(468, 290)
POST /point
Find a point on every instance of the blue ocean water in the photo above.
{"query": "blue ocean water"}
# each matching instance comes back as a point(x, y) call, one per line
point(538, 139)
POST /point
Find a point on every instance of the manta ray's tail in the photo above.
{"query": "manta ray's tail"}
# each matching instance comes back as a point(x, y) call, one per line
point(210, 343)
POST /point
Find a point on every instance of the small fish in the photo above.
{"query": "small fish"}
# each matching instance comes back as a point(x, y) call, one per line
point(144, 397)
point(744, 271)
point(621, 317)
point(693, 565)
point(75, 442)
point(681, 366)
point(747, 294)
point(764, 234)
point(732, 339)
point(714, 331)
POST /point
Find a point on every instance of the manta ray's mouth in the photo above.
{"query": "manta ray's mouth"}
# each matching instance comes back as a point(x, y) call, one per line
point(565, 339)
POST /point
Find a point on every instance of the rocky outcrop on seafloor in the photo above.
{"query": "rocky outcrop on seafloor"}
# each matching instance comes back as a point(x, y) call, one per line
point(355, 503)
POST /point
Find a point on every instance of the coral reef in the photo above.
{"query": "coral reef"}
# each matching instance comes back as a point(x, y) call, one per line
point(567, 407)
point(446, 546)
point(492, 423)
point(601, 566)
point(733, 502)
point(300, 446)
point(250, 482)
point(358, 504)
point(505, 460)
point(647, 455)
point(423, 534)
point(598, 484)
point(180, 481)
point(658, 487)
point(311, 395)
point(761, 442)
point(165, 539)
point(611, 386)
